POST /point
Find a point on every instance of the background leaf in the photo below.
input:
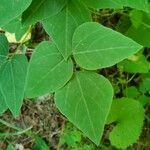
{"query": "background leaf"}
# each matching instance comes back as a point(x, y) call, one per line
point(140, 4)
point(128, 115)
point(136, 17)
point(86, 101)
point(95, 46)
point(135, 64)
point(47, 71)
point(145, 85)
point(140, 28)
point(131, 92)
point(40, 144)
point(10, 147)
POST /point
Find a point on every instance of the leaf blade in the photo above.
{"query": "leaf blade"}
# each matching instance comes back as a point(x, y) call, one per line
point(41, 9)
point(47, 71)
point(92, 51)
point(11, 9)
point(12, 82)
point(64, 24)
point(129, 116)
point(3, 48)
point(3, 106)
point(81, 101)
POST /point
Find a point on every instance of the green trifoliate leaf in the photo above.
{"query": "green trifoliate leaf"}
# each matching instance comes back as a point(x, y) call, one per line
point(12, 82)
point(41, 9)
point(86, 101)
point(129, 116)
point(95, 46)
point(11, 9)
point(140, 4)
point(47, 71)
point(62, 26)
